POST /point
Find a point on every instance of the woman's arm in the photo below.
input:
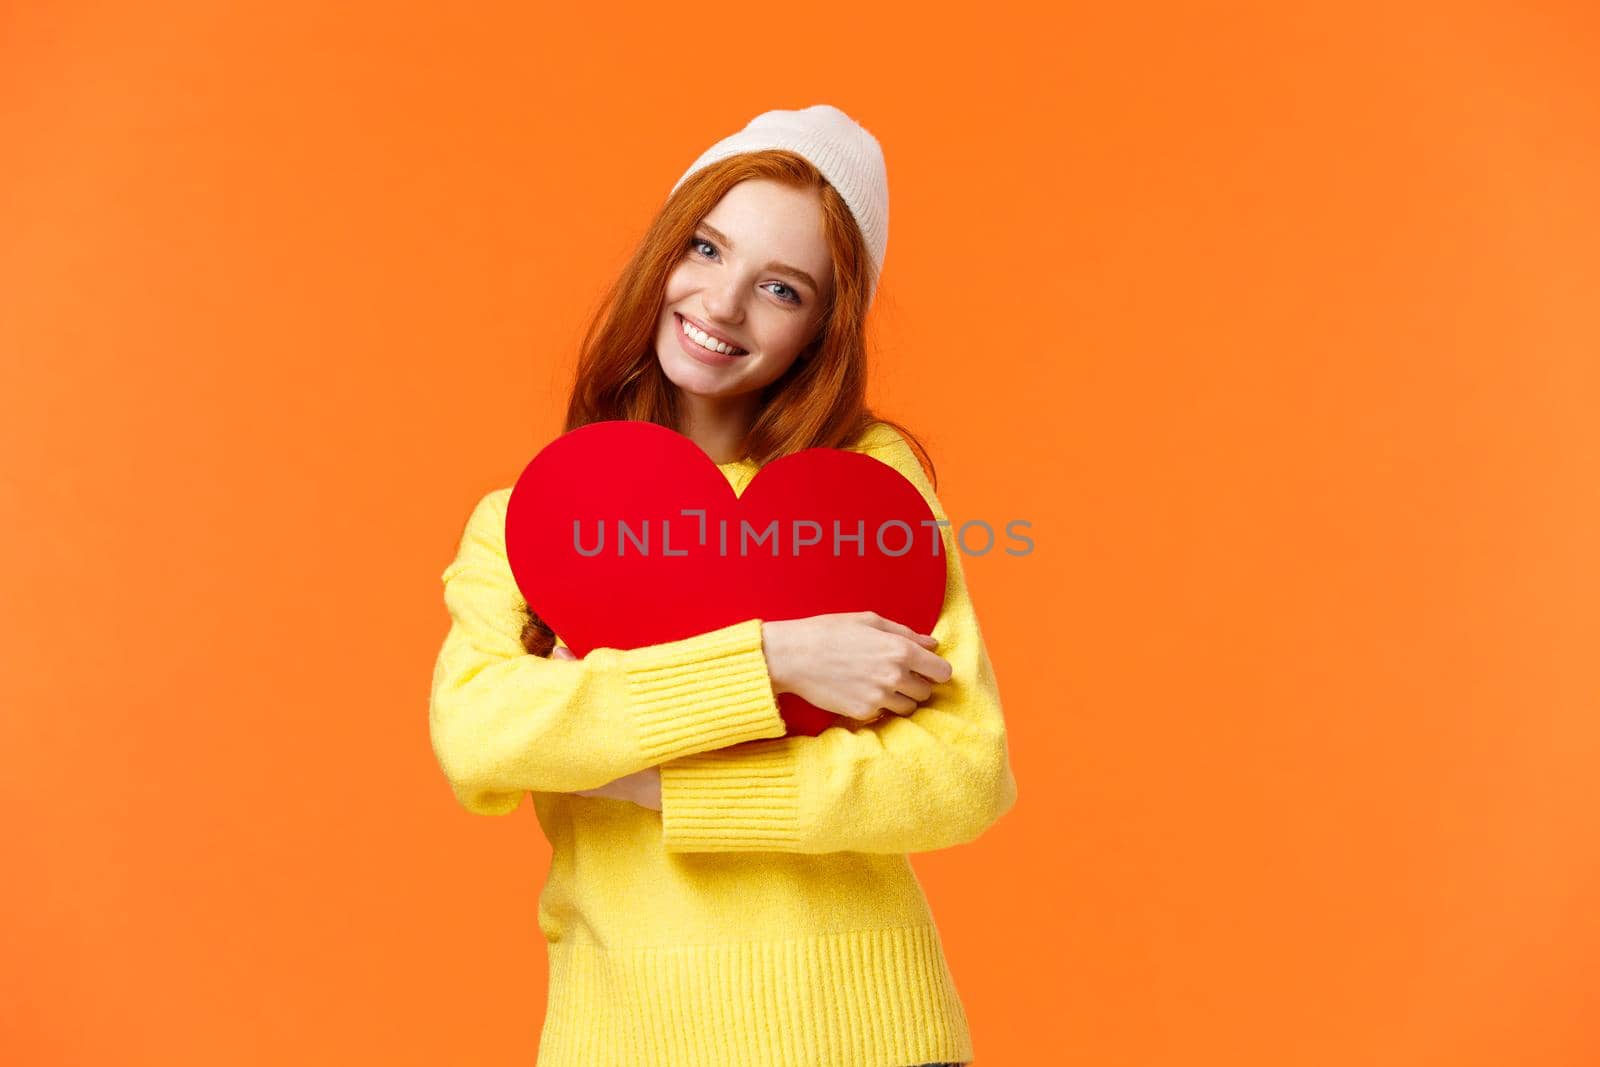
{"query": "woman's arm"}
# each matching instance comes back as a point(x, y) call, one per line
point(503, 722)
point(934, 778)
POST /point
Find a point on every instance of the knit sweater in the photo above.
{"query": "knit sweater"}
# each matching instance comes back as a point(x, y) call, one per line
point(768, 913)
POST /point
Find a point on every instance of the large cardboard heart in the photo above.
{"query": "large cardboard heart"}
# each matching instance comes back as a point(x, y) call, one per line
point(682, 553)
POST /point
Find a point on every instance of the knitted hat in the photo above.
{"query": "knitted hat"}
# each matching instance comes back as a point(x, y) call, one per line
point(846, 154)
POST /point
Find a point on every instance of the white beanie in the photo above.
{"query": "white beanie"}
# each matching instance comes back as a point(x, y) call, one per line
point(846, 154)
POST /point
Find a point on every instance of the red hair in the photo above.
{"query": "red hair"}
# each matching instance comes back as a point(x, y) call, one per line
point(819, 402)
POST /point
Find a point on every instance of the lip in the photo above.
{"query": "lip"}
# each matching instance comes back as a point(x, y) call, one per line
point(703, 328)
point(704, 355)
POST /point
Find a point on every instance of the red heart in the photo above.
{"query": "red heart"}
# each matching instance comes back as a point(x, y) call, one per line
point(666, 585)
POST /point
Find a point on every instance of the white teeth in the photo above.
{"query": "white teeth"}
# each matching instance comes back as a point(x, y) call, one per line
point(704, 340)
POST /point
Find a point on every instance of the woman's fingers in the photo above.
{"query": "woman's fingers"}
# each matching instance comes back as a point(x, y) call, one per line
point(916, 687)
point(930, 665)
point(872, 618)
point(900, 704)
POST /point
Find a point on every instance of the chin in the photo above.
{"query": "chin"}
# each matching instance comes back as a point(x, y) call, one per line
point(691, 377)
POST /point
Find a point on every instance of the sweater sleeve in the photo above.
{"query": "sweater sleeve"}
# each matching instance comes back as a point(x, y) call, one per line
point(932, 779)
point(503, 721)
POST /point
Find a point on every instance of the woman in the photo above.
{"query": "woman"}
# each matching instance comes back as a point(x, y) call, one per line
point(721, 894)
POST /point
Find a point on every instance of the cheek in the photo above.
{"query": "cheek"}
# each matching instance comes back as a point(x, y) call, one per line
point(679, 282)
point(787, 334)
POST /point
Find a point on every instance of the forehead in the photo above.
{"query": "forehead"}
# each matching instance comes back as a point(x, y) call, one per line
point(767, 220)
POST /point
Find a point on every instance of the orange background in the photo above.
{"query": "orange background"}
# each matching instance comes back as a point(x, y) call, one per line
point(1280, 328)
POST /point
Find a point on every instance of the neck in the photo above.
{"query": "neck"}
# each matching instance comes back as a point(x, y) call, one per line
point(717, 424)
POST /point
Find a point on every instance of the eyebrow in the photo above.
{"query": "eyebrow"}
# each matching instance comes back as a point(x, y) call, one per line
point(796, 271)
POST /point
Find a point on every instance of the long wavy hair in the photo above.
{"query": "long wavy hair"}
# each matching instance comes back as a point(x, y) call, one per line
point(819, 402)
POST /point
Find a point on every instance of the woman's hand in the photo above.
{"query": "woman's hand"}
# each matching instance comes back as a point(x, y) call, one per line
point(641, 787)
point(853, 663)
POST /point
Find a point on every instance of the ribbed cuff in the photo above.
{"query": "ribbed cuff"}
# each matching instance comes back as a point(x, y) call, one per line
point(702, 692)
point(734, 800)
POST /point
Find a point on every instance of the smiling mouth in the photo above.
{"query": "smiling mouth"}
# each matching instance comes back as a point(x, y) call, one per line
point(696, 336)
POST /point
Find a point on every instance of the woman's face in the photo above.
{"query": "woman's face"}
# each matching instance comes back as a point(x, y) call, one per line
point(756, 274)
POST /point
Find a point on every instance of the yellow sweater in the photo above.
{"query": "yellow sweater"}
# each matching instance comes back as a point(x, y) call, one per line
point(768, 914)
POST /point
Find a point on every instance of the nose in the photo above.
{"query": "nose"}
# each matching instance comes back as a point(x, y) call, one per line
point(725, 302)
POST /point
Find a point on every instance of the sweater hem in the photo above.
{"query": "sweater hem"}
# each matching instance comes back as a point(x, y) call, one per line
point(880, 997)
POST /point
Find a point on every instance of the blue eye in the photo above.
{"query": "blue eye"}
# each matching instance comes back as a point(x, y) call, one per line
point(696, 241)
